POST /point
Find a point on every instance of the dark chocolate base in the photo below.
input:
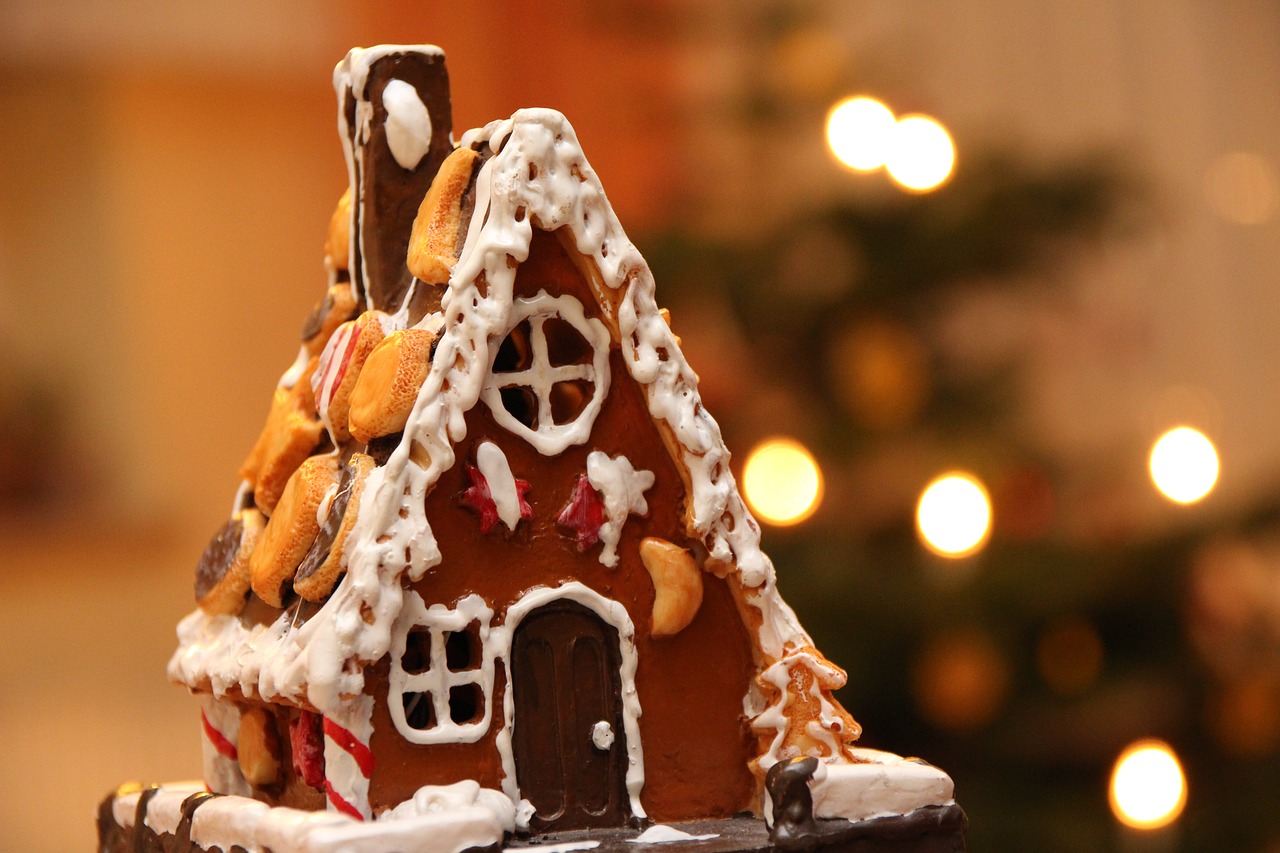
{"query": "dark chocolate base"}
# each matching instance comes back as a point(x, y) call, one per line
point(933, 829)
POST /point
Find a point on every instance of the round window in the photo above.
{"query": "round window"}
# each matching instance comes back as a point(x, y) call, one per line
point(550, 374)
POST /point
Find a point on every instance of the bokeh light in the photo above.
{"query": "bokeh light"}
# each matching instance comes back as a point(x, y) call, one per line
point(1069, 656)
point(860, 132)
point(960, 680)
point(1148, 788)
point(953, 516)
point(1241, 187)
point(921, 154)
point(1184, 465)
point(782, 482)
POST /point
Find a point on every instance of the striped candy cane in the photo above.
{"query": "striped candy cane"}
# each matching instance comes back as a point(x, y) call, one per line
point(220, 724)
point(348, 761)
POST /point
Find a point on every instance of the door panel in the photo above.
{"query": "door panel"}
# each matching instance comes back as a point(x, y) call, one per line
point(565, 664)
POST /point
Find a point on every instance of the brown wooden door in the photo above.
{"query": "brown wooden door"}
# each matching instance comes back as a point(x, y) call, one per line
point(564, 671)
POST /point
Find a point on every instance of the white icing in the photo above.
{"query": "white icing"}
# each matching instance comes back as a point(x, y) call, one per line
point(602, 736)
point(613, 614)
point(124, 808)
point(438, 678)
point(436, 799)
point(662, 834)
point(566, 847)
point(551, 438)
point(492, 463)
point(877, 784)
point(408, 124)
point(623, 488)
point(164, 811)
point(226, 821)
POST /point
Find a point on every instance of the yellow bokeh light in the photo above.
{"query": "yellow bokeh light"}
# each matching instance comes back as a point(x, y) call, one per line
point(953, 516)
point(782, 482)
point(860, 132)
point(921, 154)
point(1184, 465)
point(1148, 789)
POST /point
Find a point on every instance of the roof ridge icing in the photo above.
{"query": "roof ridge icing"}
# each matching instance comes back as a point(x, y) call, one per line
point(539, 177)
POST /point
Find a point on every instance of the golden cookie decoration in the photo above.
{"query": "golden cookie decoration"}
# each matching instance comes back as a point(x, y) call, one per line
point(339, 367)
point(290, 435)
point(434, 238)
point(337, 243)
point(387, 388)
point(222, 575)
point(338, 306)
point(292, 528)
point(323, 563)
point(677, 585)
point(258, 748)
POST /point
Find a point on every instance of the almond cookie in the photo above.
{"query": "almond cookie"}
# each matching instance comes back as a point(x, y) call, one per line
point(222, 575)
point(292, 528)
point(290, 435)
point(339, 367)
point(434, 238)
point(338, 306)
point(387, 388)
point(322, 564)
point(337, 244)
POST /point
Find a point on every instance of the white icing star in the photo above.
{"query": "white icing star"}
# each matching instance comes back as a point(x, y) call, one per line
point(623, 488)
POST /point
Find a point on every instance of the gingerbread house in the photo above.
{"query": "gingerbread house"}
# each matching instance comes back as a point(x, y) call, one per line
point(488, 564)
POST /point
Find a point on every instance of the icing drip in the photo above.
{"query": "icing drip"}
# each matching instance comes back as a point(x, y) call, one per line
point(408, 124)
point(623, 488)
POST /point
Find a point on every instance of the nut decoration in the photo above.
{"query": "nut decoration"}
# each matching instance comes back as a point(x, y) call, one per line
point(677, 585)
point(435, 230)
point(290, 435)
point(339, 367)
point(338, 306)
point(222, 575)
point(337, 244)
point(387, 388)
point(258, 749)
point(292, 529)
point(323, 562)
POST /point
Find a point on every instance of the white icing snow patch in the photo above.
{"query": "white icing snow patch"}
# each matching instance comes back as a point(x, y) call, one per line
point(880, 784)
point(662, 834)
point(408, 124)
point(623, 488)
point(566, 847)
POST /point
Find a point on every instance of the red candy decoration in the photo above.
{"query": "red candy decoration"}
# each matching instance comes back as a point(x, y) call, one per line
point(584, 515)
point(306, 736)
point(478, 498)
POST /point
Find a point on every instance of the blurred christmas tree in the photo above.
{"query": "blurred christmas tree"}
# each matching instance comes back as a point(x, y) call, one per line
point(1025, 667)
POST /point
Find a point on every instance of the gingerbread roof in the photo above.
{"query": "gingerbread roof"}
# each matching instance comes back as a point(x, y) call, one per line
point(532, 173)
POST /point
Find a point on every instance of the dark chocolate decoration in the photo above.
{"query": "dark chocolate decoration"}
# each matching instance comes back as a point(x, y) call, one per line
point(381, 448)
point(182, 833)
point(323, 544)
point(218, 556)
point(387, 196)
point(565, 674)
point(145, 839)
point(315, 320)
point(796, 829)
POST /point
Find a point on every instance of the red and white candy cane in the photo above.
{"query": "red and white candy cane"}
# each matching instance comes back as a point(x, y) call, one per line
point(220, 725)
point(348, 761)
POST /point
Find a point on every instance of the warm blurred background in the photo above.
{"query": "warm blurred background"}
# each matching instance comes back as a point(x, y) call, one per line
point(1053, 239)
